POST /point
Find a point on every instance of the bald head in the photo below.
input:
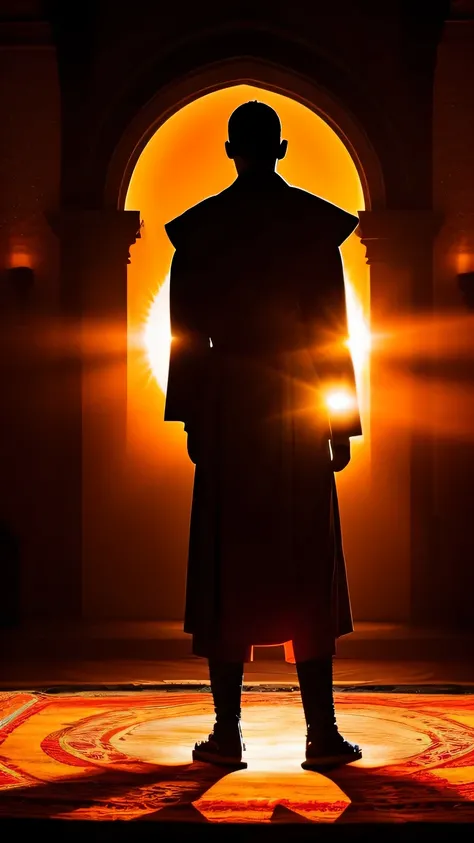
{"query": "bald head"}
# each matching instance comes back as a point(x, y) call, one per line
point(255, 136)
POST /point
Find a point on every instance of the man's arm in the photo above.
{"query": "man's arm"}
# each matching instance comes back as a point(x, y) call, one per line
point(189, 347)
point(326, 313)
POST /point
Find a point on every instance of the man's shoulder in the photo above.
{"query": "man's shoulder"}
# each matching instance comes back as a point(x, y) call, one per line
point(314, 203)
point(210, 209)
point(333, 222)
point(180, 228)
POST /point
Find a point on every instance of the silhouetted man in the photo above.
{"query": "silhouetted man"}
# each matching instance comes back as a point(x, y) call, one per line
point(258, 320)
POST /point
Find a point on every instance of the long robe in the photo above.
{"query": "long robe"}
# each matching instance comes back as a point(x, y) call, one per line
point(259, 323)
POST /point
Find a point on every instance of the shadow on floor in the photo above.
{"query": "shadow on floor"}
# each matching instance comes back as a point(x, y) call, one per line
point(167, 794)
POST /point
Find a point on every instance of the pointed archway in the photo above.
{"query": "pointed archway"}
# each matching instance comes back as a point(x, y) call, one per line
point(397, 488)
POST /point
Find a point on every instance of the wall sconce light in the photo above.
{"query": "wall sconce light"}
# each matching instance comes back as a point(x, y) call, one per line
point(466, 285)
point(21, 280)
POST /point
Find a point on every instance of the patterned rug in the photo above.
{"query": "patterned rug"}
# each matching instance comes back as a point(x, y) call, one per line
point(102, 756)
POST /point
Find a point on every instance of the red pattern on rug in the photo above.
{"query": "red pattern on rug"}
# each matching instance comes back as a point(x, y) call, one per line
point(127, 755)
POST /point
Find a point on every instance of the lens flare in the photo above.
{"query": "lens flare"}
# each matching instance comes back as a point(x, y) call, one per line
point(340, 401)
point(157, 336)
point(359, 341)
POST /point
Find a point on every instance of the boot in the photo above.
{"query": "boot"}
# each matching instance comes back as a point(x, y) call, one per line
point(325, 746)
point(224, 745)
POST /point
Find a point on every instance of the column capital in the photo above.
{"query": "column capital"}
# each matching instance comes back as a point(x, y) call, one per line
point(95, 250)
point(102, 225)
point(397, 236)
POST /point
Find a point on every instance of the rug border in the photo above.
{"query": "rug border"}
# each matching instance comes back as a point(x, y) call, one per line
point(248, 687)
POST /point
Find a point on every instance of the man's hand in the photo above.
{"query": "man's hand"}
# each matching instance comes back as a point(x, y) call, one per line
point(341, 454)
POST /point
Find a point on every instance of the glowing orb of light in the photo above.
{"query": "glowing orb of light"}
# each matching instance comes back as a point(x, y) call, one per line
point(340, 401)
point(157, 335)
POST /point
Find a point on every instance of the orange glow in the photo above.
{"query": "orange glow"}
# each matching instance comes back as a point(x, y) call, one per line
point(359, 341)
point(19, 257)
point(423, 338)
point(340, 401)
point(401, 342)
point(157, 334)
point(465, 262)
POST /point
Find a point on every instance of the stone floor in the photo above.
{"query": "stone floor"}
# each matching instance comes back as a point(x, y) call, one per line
point(133, 653)
point(40, 673)
point(153, 641)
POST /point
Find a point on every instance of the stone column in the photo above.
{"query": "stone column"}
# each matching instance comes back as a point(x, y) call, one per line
point(91, 374)
point(399, 248)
